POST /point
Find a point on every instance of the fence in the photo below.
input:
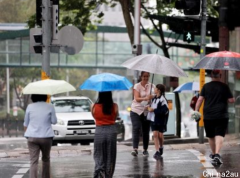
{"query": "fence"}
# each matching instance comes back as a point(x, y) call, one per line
point(11, 128)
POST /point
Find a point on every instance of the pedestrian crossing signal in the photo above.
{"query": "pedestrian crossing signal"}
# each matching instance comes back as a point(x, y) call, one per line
point(188, 36)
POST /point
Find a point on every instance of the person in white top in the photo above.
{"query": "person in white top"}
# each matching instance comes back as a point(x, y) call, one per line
point(158, 115)
point(142, 96)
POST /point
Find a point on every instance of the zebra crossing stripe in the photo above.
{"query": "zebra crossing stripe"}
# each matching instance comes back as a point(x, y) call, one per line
point(17, 176)
point(23, 170)
point(207, 165)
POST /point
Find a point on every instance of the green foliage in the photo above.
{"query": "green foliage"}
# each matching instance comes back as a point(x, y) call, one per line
point(11, 117)
point(16, 10)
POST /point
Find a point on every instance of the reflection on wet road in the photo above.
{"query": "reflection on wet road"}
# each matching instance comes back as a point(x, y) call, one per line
point(173, 164)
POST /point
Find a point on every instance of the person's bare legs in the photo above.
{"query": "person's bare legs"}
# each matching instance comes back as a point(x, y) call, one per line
point(161, 139)
point(211, 142)
point(156, 140)
point(218, 143)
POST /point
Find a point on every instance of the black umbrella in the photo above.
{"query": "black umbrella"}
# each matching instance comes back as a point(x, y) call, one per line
point(222, 60)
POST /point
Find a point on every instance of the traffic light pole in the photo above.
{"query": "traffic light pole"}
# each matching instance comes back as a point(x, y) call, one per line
point(136, 46)
point(46, 38)
point(202, 71)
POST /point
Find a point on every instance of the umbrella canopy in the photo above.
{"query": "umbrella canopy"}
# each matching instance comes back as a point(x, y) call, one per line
point(188, 87)
point(222, 60)
point(48, 87)
point(155, 64)
point(106, 82)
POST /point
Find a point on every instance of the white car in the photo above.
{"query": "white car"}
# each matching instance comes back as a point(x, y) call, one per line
point(75, 123)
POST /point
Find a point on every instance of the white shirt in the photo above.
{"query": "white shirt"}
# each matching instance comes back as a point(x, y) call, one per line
point(154, 104)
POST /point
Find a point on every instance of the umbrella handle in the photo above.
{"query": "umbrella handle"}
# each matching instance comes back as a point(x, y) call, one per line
point(151, 85)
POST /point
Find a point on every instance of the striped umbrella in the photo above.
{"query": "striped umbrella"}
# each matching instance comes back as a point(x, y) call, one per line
point(187, 87)
point(222, 60)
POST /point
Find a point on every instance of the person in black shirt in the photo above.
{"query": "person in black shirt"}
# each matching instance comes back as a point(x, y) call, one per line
point(216, 96)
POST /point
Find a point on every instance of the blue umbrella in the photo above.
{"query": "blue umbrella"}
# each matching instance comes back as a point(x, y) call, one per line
point(188, 87)
point(106, 82)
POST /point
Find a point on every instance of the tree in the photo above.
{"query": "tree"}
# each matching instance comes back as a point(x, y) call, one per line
point(16, 10)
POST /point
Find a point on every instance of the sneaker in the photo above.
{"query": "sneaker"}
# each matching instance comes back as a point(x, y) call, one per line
point(161, 151)
point(218, 159)
point(145, 153)
point(211, 156)
point(157, 155)
point(134, 153)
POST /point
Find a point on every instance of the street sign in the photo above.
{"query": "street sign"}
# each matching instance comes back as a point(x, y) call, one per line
point(70, 39)
point(188, 36)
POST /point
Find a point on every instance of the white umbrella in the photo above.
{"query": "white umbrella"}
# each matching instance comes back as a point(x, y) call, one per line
point(48, 87)
point(155, 64)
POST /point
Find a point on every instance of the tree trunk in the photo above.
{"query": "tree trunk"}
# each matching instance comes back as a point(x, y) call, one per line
point(127, 18)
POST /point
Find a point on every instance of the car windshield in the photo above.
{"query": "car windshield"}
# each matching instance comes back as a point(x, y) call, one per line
point(72, 105)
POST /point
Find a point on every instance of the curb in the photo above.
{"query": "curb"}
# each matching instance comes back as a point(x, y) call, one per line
point(167, 141)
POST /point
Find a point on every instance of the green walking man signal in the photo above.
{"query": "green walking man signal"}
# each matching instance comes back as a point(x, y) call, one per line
point(188, 36)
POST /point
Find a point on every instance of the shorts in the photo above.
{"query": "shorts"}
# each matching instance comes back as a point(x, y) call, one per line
point(159, 128)
point(216, 127)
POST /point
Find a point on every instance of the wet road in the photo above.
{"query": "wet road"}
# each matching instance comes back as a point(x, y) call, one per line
point(70, 162)
point(174, 164)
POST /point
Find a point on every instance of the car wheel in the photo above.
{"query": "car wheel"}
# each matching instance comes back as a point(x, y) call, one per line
point(54, 143)
point(85, 143)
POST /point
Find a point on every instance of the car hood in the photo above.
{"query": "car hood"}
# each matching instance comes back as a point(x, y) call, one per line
point(75, 116)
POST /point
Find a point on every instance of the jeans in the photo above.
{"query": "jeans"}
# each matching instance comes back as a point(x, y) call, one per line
point(140, 123)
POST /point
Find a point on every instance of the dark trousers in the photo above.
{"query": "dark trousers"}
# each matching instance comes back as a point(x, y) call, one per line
point(35, 145)
point(105, 151)
point(140, 123)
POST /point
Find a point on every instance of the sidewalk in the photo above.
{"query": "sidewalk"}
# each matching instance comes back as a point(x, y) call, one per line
point(63, 151)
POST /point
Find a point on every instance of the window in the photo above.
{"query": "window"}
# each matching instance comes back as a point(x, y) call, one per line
point(74, 105)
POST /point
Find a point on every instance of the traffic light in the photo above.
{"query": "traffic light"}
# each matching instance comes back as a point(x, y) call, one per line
point(188, 30)
point(189, 26)
point(39, 12)
point(36, 40)
point(38, 46)
point(233, 12)
point(189, 7)
point(188, 36)
point(55, 17)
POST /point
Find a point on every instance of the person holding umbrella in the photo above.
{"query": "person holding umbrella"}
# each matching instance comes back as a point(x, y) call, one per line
point(216, 96)
point(38, 121)
point(142, 96)
point(105, 113)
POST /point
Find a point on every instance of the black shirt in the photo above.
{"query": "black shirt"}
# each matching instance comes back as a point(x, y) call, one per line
point(216, 95)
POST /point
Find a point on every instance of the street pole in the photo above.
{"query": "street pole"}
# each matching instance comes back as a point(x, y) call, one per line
point(202, 71)
point(136, 46)
point(7, 81)
point(223, 34)
point(46, 38)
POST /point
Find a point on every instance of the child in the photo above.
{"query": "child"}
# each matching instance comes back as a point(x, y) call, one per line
point(158, 115)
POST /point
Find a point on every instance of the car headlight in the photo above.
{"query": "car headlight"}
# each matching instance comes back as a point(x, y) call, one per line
point(60, 122)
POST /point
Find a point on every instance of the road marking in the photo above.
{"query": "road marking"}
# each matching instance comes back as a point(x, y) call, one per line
point(17, 176)
point(206, 164)
point(23, 170)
